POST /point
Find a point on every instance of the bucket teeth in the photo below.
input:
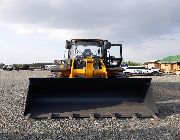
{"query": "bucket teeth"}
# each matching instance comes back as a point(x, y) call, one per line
point(71, 116)
point(28, 115)
point(134, 116)
point(94, 115)
point(114, 115)
point(50, 116)
point(91, 115)
point(154, 115)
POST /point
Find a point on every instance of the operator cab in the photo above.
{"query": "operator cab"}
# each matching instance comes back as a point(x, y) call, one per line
point(111, 54)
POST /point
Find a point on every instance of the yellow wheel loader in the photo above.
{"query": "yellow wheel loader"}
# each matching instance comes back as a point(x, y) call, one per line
point(90, 83)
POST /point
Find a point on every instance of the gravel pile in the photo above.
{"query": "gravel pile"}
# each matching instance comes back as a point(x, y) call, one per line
point(13, 125)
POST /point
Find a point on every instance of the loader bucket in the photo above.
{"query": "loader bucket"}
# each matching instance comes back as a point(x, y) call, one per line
point(84, 97)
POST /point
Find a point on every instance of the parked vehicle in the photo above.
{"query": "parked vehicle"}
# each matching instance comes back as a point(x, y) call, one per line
point(54, 68)
point(10, 67)
point(156, 71)
point(140, 70)
point(25, 67)
point(48, 67)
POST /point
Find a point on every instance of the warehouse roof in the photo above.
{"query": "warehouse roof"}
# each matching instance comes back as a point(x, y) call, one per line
point(153, 61)
point(171, 59)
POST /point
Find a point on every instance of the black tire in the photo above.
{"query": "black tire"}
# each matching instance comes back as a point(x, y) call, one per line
point(127, 74)
point(155, 73)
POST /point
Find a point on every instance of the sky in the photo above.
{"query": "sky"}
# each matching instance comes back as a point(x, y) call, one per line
point(34, 31)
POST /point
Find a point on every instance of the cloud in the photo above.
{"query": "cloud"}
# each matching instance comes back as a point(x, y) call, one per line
point(123, 18)
point(155, 48)
point(146, 26)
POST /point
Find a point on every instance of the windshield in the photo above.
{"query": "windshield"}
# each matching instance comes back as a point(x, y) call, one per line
point(114, 51)
point(87, 50)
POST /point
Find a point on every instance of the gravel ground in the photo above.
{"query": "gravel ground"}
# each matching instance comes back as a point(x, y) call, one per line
point(13, 125)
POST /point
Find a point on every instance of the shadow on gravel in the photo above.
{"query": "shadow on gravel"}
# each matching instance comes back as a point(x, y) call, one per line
point(167, 97)
point(136, 134)
point(167, 85)
point(168, 109)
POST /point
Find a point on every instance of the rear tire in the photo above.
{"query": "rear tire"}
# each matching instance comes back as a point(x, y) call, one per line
point(155, 73)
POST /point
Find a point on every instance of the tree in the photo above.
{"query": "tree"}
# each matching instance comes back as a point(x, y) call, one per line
point(131, 63)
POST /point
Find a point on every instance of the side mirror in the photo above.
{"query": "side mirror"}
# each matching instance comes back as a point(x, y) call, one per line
point(107, 45)
point(68, 44)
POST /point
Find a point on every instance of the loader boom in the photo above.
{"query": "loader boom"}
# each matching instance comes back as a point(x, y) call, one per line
point(88, 71)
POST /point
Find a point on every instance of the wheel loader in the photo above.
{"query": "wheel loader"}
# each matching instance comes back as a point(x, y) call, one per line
point(90, 83)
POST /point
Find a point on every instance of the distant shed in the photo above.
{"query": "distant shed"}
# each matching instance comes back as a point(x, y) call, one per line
point(171, 64)
point(153, 64)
